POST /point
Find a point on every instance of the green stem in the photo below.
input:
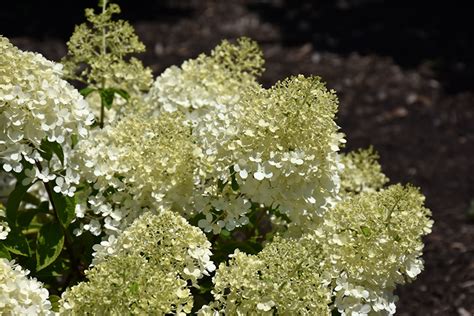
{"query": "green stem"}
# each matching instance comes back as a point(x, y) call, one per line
point(103, 52)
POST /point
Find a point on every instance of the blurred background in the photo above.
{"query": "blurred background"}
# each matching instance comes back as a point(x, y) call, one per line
point(403, 70)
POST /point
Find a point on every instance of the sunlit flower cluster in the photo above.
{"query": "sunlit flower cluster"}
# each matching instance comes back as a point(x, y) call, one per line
point(146, 269)
point(39, 111)
point(19, 294)
point(371, 243)
point(283, 279)
point(208, 82)
point(278, 150)
point(140, 162)
point(98, 56)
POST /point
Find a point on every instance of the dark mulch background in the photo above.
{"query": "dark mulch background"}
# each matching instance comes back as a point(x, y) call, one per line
point(404, 73)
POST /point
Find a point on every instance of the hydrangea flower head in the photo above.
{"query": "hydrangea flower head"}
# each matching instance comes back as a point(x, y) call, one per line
point(202, 84)
point(147, 269)
point(284, 278)
point(372, 242)
point(37, 106)
point(98, 56)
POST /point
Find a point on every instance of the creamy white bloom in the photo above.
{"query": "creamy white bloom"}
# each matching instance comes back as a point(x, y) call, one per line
point(20, 295)
point(38, 108)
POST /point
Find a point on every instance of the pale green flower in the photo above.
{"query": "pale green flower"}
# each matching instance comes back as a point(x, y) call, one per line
point(98, 55)
point(146, 269)
point(372, 242)
point(277, 148)
point(208, 82)
point(139, 162)
point(284, 279)
point(362, 172)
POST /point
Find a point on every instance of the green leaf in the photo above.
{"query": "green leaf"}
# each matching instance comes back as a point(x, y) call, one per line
point(14, 200)
point(30, 198)
point(107, 97)
point(74, 139)
point(86, 91)
point(24, 217)
point(365, 231)
point(124, 94)
point(49, 244)
point(54, 299)
point(65, 208)
point(17, 243)
point(48, 148)
point(4, 253)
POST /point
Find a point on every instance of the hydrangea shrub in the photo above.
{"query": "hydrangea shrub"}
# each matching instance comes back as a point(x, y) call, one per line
point(199, 192)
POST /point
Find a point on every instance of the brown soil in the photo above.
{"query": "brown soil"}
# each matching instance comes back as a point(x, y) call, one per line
point(424, 135)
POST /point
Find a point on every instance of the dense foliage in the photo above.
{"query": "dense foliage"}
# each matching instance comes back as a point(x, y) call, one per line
point(198, 192)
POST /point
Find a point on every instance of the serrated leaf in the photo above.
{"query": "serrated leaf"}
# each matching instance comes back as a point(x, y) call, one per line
point(4, 253)
point(17, 243)
point(49, 244)
point(65, 207)
point(48, 148)
point(86, 91)
point(107, 97)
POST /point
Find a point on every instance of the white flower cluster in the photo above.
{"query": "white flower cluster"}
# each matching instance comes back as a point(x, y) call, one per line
point(276, 148)
point(139, 163)
point(200, 85)
point(38, 109)
point(20, 295)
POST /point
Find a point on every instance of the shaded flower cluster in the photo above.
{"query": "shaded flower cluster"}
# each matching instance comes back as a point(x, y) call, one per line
point(20, 295)
point(146, 269)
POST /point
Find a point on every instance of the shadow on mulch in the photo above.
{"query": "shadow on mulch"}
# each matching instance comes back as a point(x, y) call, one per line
point(402, 71)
